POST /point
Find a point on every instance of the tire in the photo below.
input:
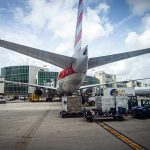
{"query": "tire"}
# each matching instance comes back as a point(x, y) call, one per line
point(90, 119)
point(63, 115)
point(121, 118)
point(62, 112)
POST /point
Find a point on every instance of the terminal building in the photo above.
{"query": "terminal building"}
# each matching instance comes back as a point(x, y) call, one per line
point(42, 76)
point(32, 75)
point(106, 78)
point(25, 74)
point(90, 80)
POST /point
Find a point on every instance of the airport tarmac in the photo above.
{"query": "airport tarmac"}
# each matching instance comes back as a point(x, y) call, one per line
point(38, 126)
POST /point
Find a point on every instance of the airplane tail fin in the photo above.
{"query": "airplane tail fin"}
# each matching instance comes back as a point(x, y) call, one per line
point(78, 33)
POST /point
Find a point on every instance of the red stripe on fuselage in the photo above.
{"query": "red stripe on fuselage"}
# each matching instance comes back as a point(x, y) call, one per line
point(66, 72)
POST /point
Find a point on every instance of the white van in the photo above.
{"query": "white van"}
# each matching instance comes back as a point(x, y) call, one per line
point(2, 99)
point(9, 98)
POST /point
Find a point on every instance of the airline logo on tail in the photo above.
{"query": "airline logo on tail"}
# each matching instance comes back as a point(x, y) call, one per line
point(78, 34)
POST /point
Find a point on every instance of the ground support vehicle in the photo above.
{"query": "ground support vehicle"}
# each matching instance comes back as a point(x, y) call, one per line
point(113, 107)
point(50, 94)
point(97, 114)
point(34, 98)
point(91, 101)
point(143, 111)
point(132, 102)
point(71, 106)
point(22, 98)
point(2, 99)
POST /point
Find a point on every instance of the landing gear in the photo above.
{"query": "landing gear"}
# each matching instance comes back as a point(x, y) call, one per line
point(50, 95)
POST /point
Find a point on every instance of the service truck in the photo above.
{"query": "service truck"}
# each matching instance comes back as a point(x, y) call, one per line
point(110, 102)
point(114, 98)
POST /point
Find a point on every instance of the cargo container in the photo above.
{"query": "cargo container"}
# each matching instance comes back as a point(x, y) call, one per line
point(71, 106)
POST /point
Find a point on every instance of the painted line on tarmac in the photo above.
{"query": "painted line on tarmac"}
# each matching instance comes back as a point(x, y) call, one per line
point(25, 139)
point(134, 145)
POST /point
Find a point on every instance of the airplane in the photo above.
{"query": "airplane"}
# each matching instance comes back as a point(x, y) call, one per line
point(71, 78)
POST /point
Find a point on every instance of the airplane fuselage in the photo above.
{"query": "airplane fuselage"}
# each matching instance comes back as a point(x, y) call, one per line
point(71, 78)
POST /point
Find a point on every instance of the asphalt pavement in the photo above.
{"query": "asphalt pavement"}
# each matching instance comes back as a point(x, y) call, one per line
point(27, 125)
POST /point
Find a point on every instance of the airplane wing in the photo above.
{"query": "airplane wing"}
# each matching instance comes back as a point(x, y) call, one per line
point(55, 59)
point(27, 84)
point(99, 61)
point(92, 85)
point(109, 83)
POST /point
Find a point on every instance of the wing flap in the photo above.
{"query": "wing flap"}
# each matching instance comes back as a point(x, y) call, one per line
point(49, 57)
point(99, 61)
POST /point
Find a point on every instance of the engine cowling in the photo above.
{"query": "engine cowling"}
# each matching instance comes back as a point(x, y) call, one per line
point(39, 92)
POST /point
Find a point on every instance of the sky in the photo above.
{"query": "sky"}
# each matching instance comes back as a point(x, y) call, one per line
point(109, 27)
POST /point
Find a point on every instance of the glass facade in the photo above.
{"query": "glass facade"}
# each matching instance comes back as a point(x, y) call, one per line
point(45, 77)
point(90, 80)
point(18, 74)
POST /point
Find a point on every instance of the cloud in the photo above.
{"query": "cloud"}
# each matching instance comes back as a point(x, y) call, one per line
point(103, 7)
point(138, 67)
point(23, 37)
point(50, 25)
point(29, 28)
point(60, 17)
point(133, 68)
point(139, 7)
point(96, 25)
point(137, 40)
point(56, 16)
point(146, 21)
point(63, 47)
